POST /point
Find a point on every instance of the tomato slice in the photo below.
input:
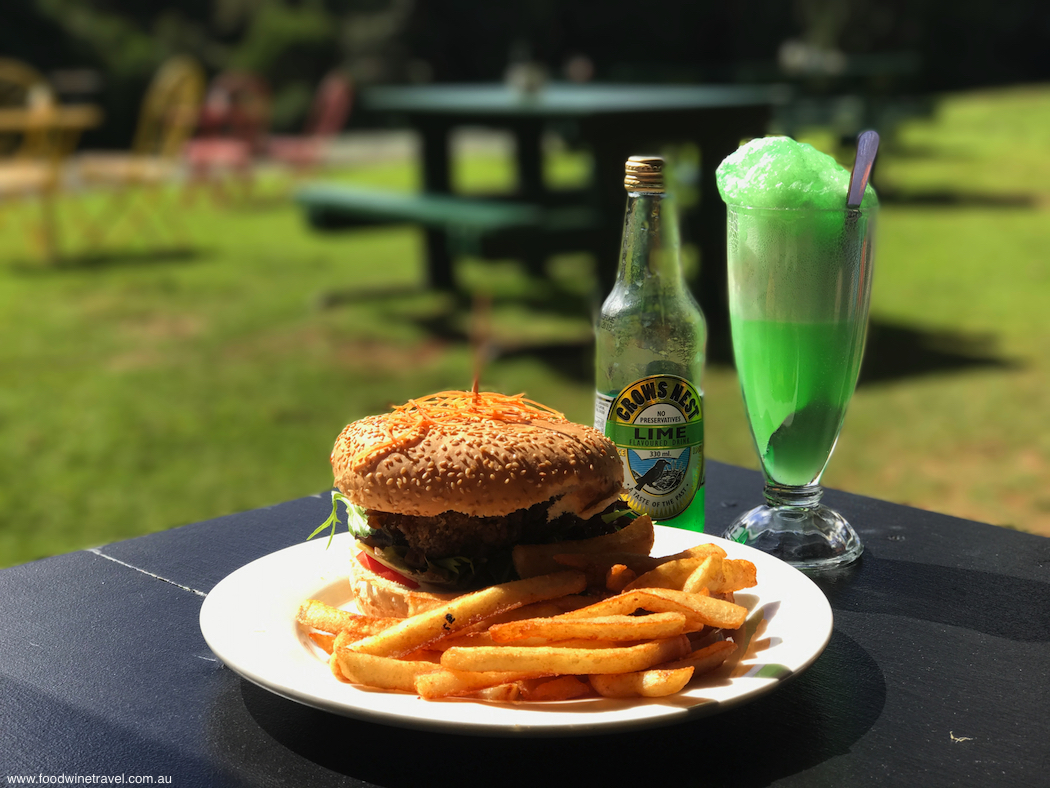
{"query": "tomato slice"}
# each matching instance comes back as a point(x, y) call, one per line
point(372, 565)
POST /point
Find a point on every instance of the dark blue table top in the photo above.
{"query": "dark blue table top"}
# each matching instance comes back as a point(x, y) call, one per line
point(936, 674)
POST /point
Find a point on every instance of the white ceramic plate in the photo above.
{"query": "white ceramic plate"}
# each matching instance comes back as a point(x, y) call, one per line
point(248, 621)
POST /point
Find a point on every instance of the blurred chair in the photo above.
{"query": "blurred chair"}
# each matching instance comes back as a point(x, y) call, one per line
point(328, 115)
point(28, 158)
point(139, 179)
point(231, 132)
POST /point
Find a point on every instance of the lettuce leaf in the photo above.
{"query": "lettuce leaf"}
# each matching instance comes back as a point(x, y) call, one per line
point(356, 521)
point(452, 571)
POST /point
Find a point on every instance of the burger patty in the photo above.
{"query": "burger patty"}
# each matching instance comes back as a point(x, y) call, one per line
point(457, 534)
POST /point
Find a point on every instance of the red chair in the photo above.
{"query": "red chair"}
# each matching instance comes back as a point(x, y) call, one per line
point(328, 115)
point(231, 131)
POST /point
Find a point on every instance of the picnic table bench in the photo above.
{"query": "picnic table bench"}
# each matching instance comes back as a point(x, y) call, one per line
point(472, 225)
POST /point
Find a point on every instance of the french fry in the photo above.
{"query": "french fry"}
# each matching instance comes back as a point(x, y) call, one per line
point(706, 576)
point(559, 688)
point(709, 611)
point(475, 639)
point(618, 576)
point(636, 537)
point(648, 599)
point(722, 576)
point(698, 612)
point(597, 564)
point(572, 602)
point(614, 628)
point(430, 626)
point(562, 660)
point(541, 639)
point(655, 683)
point(670, 574)
point(366, 626)
point(737, 574)
point(543, 609)
point(341, 640)
point(315, 614)
point(477, 634)
point(323, 640)
point(698, 551)
point(623, 604)
point(446, 683)
point(381, 672)
point(704, 660)
point(318, 615)
point(471, 637)
point(501, 693)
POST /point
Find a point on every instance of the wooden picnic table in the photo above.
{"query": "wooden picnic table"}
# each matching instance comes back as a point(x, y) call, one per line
point(613, 121)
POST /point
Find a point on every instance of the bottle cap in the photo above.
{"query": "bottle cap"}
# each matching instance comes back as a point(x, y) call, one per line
point(644, 174)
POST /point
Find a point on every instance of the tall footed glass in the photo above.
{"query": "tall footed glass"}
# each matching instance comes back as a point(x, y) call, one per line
point(799, 290)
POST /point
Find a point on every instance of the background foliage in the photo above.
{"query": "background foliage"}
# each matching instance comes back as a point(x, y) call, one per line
point(959, 43)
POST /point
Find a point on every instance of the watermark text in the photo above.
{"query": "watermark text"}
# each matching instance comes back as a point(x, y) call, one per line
point(89, 779)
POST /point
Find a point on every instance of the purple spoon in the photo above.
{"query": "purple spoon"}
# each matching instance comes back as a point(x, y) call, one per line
point(867, 147)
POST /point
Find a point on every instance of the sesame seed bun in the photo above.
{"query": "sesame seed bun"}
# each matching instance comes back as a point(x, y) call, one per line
point(483, 468)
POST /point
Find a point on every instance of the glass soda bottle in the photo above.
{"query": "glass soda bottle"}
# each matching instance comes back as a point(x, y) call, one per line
point(651, 347)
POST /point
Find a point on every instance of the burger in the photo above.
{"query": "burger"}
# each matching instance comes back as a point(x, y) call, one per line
point(440, 490)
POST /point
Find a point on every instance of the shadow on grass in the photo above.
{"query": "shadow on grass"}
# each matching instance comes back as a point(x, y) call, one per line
point(449, 316)
point(894, 351)
point(331, 299)
point(111, 259)
point(897, 351)
point(954, 199)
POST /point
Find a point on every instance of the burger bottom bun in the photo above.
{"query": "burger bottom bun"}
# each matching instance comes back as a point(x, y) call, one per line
point(376, 596)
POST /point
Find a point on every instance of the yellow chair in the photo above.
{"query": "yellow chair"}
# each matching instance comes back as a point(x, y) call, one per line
point(139, 180)
point(28, 151)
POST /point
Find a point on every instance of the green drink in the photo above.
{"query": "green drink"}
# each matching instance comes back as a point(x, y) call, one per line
point(800, 267)
point(797, 379)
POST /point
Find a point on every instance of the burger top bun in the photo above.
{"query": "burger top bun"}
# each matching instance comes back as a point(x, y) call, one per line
point(475, 454)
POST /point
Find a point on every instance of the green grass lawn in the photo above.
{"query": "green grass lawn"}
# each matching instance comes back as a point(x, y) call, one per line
point(140, 392)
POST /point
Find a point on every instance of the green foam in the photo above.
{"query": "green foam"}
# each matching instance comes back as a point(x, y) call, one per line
point(778, 172)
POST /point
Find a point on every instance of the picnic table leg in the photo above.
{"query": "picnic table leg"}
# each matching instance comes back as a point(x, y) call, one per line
point(529, 153)
point(437, 180)
point(439, 261)
point(529, 159)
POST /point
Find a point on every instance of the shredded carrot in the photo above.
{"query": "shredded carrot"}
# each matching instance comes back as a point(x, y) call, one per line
point(410, 422)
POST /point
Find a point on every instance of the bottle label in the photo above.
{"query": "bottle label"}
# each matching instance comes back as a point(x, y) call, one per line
point(657, 424)
point(602, 404)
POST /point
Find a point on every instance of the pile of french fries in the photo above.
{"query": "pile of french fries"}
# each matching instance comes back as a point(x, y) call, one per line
point(593, 617)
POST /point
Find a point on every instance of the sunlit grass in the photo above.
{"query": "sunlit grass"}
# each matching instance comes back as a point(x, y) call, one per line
point(138, 393)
